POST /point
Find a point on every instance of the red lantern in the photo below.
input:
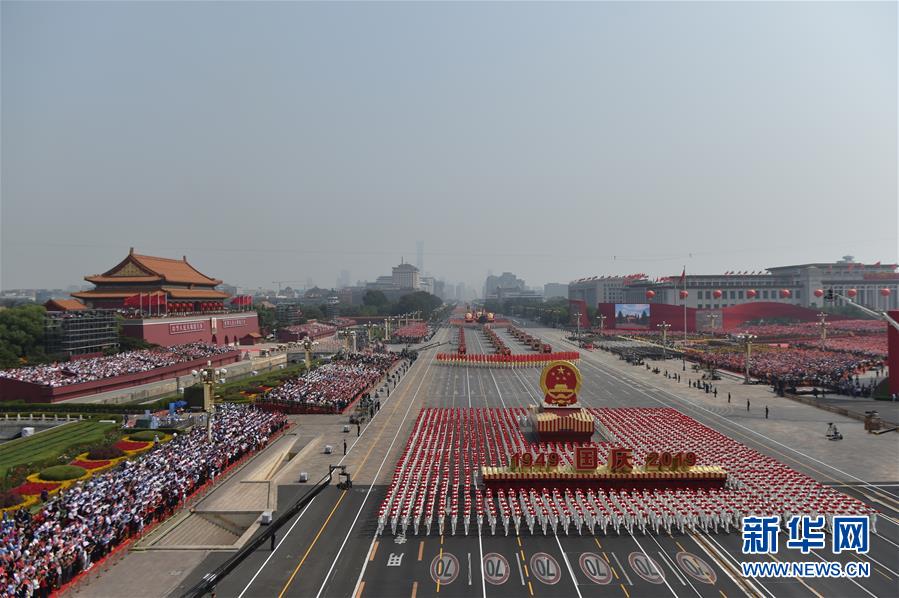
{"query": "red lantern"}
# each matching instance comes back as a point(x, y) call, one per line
point(885, 292)
point(684, 294)
point(650, 294)
point(751, 293)
point(819, 292)
point(785, 293)
point(851, 293)
point(717, 294)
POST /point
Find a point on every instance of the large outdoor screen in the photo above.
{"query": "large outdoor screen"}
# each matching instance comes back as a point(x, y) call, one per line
point(632, 315)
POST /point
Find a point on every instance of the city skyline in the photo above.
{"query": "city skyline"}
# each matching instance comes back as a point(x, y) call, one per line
point(553, 156)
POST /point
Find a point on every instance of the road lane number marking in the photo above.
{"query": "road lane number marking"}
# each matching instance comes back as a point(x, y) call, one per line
point(595, 568)
point(445, 569)
point(696, 568)
point(646, 567)
point(546, 568)
point(496, 568)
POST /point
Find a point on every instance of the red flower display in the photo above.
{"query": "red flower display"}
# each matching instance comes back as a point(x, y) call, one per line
point(130, 445)
point(90, 464)
point(35, 488)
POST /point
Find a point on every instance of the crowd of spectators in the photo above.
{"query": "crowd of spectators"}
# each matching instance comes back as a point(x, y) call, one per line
point(98, 368)
point(39, 553)
point(335, 385)
point(874, 346)
point(413, 333)
point(792, 367)
point(813, 329)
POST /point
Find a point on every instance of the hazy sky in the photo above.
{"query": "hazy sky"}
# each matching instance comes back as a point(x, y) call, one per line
point(286, 141)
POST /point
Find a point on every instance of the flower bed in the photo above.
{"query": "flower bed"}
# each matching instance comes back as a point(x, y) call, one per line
point(35, 488)
point(90, 465)
point(27, 501)
point(130, 446)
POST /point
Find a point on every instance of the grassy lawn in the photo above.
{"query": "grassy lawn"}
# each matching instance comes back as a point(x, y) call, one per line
point(50, 443)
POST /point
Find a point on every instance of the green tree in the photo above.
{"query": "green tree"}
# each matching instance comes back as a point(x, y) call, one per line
point(22, 335)
point(267, 317)
point(418, 301)
point(312, 312)
point(374, 298)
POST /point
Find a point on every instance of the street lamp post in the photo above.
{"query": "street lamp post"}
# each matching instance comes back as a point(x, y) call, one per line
point(602, 323)
point(823, 325)
point(664, 326)
point(308, 343)
point(210, 376)
point(747, 339)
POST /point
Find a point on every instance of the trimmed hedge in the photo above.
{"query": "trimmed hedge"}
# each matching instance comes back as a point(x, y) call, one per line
point(145, 436)
point(62, 473)
point(104, 453)
point(85, 408)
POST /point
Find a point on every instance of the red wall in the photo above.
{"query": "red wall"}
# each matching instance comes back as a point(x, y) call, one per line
point(579, 306)
point(15, 390)
point(893, 354)
point(178, 331)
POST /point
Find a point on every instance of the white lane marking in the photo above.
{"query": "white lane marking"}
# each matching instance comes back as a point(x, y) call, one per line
point(885, 539)
point(724, 552)
point(667, 560)
point(722, 564)
point(623, 570)
point(303, 512)
point(654, 566)
point(520, 572)
point(468, 386)
point(570, 570)
point(481, 554)
point(864, 589)
point(355, 519)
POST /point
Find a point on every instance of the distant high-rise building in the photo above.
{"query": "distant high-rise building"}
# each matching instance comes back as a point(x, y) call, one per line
point(406, 276)
point(553, 290)
point(440, 289)
point(506, 281)
point(426, 284)
point(344, 279)
point(420, 251)
point(460, 291)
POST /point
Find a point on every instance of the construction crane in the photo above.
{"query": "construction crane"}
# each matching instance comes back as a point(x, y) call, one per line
point(280, 282)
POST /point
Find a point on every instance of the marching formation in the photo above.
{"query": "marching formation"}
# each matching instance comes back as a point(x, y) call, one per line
point(435, 484)
point(527, 360)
